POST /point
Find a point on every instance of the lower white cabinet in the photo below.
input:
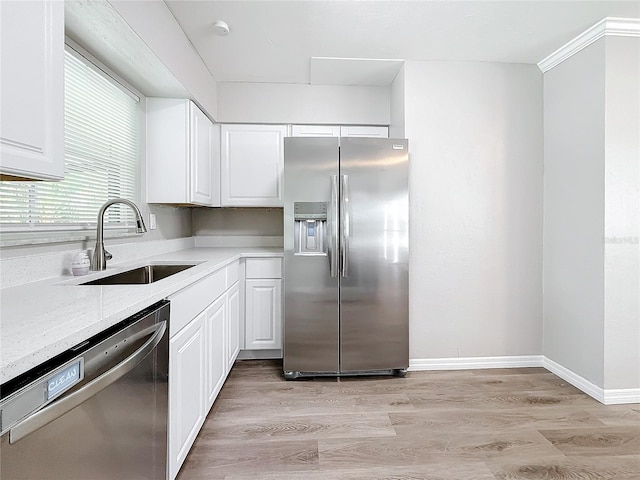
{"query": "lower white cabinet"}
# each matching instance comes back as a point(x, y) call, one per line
point(186, 390)
point(216, 360)
point(232, 333)
point(263, 304)
point(205, 338)
point(203, 344)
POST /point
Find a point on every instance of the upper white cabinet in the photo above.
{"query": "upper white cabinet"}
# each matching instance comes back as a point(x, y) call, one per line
point(32, 90)
point(252, 165)
point(380, 132)
point(183, 154)
point(337, 131)
point(315, 131)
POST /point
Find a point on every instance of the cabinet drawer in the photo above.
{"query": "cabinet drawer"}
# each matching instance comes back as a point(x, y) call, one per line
point(264, 268)
point(233, 273)
point(189, 302)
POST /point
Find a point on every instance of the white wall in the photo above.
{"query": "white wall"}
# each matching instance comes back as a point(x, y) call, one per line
point(397, 102)
point(592, 209)
point(475, 141)
point(622, 214)
point(574, 213)
point(304, 104)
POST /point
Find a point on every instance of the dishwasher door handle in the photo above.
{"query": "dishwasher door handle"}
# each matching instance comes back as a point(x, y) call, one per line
point(67, 403)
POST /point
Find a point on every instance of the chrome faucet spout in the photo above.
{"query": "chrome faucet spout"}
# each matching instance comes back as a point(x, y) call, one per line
point(100, 255)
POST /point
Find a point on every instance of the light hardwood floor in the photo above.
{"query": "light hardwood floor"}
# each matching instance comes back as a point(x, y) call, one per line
point(457, 425)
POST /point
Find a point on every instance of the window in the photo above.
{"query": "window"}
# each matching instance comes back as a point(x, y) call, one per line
point(101, 159)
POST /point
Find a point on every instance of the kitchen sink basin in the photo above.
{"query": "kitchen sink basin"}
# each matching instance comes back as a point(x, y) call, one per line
point(140, 276)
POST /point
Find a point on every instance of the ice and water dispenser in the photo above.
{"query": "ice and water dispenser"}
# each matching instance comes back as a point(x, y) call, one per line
point(310, 234)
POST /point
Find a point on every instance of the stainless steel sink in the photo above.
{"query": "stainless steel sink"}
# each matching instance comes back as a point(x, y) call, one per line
point(140, 276)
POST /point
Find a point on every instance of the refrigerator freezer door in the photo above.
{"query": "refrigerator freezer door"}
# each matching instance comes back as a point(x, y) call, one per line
point(374, 282)
point(311, 313)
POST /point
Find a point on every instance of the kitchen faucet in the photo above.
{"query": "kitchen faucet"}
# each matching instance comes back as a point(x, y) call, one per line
point(100, 255)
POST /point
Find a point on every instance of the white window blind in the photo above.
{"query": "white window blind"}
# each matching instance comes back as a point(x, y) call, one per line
point(101, 159)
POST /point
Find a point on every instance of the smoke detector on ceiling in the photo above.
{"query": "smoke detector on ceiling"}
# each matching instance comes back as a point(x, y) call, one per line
point(220, 28)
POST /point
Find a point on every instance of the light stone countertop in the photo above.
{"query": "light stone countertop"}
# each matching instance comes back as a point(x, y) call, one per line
point(39, 320)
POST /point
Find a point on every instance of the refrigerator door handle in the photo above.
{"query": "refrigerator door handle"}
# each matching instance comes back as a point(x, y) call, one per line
point(345, 231)
point(333, 228)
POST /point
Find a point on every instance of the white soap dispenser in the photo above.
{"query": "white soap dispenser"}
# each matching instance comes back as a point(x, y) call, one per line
point(80, 264)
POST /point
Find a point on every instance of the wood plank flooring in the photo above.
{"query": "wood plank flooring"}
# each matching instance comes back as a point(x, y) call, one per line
point(506, 424)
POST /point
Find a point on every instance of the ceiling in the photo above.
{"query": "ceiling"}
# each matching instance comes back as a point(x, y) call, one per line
point(273, 41)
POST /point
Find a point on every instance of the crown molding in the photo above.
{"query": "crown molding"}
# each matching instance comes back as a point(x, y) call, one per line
point(619, 27)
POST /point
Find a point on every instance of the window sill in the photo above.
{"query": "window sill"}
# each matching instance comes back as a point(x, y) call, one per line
point(16, 239)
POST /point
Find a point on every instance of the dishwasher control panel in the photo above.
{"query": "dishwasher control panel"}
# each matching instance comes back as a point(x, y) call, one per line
point(37, 394)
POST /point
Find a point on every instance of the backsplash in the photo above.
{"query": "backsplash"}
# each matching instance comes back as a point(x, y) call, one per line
point(238, 241)
point(237, 222)
point(31, 268)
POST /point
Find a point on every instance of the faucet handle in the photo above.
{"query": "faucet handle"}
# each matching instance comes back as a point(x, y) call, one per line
point(107, 255)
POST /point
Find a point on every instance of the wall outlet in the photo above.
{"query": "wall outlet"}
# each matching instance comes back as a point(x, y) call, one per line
point(152, 221)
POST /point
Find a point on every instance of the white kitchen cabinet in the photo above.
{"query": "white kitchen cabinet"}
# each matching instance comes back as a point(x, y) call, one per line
point(338, 131)
point(183, 154)
point(315, 131)
point(263, 322)
point(216, 339)
point(204, 342)
point(232, 334)
point(32, 90)
point(252, 165)
point(263, 304)
point(355, 131)
point(186, 390)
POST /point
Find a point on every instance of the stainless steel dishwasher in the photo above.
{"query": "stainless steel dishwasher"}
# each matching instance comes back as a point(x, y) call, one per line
point(97, 411)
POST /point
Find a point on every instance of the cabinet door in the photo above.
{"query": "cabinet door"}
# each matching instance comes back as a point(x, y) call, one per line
point(32, 90)
point(315, 131)
point(183, 154)
point(201, 152)
point(216, 365)
point(168, 145)
point(263, 321)
point(233, 325)
point(186, 390)
point(380, 132)
point(252, 165)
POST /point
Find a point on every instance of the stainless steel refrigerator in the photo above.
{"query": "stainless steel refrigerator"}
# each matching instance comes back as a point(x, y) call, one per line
point(346, 234)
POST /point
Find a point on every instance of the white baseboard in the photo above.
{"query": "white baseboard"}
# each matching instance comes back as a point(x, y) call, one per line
point(618, 396)
point(605, 396)
point(610, 396)
point(469, 363)
point(574, 379)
